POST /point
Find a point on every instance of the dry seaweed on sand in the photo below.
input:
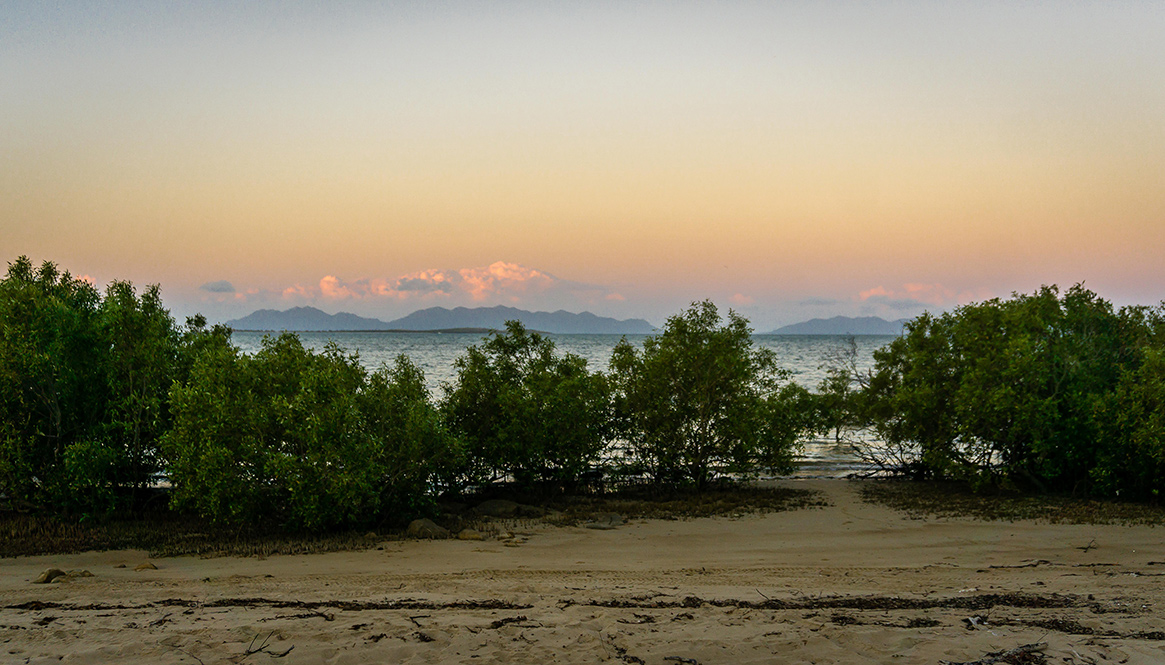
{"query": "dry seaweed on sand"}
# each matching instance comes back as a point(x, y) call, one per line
point(938, 499)
point(984, 601)
point(1025, 654)
point(165, 534)
point(649, 502)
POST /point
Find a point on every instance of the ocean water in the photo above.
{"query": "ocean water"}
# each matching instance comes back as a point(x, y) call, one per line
point(804, 356)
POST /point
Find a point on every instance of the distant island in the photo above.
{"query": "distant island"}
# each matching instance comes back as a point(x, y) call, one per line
point(301, 319)
point(458, 319)
point(844, 325)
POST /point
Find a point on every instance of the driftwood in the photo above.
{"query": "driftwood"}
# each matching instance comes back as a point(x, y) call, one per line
point(262, 648)
point(506, 621)
point(1001, 656)
point(185, 652)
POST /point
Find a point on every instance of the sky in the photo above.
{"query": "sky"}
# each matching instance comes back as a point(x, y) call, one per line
point(788, 160)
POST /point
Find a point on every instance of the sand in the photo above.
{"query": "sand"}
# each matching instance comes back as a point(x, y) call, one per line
point(851, 583)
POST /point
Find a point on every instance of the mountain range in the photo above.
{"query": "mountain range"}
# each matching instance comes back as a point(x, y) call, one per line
point(844, 325)
point(300, 319)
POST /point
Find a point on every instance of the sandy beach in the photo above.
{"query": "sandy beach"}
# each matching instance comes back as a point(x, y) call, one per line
point(849, 583)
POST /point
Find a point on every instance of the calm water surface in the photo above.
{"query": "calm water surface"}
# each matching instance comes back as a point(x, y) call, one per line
point(803, 355)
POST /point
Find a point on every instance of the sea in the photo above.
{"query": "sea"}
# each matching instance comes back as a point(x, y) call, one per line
point(805, 357)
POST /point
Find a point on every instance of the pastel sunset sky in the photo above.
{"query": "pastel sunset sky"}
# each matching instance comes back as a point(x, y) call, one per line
point(786, 159)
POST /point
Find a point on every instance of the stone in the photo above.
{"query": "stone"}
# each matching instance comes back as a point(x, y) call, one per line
point(145, 566)
point(504, 508)
point(426, 528)
point(497, 508)
point(49, 575)
point(605, 521)
point(470, 534)
point(452, 507)
point(530, 511)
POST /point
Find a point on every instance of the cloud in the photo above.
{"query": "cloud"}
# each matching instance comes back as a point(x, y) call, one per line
point(298, 291)
point(426, 281)
point(222, 291)
point(741, 299)
point(416, 285)
point(220, 286)
point(509, 279)
point(333, 289)
point(500, 281)
point(915, 295)
point(818, 302)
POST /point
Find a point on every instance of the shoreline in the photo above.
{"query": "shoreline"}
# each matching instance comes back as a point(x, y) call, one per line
point(848, 583)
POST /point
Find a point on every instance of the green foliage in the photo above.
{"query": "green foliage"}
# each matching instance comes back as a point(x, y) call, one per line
point(700, 399)
point(525, 411)
point(142, 347)
point(52, 384)
point(101, 392)
point(307, 440)
point(836, 407)
point(83, 382)
point(1131, 455)
point(911, 395)
point(1008, 391)
point(93, 472)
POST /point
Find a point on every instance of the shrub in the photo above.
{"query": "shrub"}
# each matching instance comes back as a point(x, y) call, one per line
point(836, 408)
point(1131, 456)
point(700, 399)
point(52, 386)
point(1006, 391)
point(308, 440)
point(141, 349)
point(525, 411)
point(83, 382)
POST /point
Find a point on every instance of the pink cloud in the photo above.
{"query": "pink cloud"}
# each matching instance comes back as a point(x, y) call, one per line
point(413, 285)
point(332, 288)
point(876, 292)
point(501, 280)
point(741, 299)
point(423, 283)
point(298, 291)
point(916, 293)
point(501, 277)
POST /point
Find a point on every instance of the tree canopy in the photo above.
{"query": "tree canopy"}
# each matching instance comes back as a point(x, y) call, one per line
point(1039, 389)
point(699, 399)
point(526, 411)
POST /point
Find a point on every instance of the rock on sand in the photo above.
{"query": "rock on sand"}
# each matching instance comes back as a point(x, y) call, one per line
point(426, 528)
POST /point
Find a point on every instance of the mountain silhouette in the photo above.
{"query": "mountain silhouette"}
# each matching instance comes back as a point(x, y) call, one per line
point(844, 325)
point(300, 319)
